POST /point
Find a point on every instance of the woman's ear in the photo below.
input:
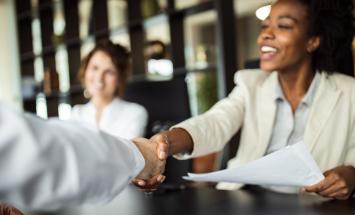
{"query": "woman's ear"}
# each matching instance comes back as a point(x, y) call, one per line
point(313, 44)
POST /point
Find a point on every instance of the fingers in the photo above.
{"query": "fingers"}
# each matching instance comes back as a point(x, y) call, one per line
point(139, 182)
point(340, 195)
point(163, 150)
point(162, 142)
point(315, 188)
point(337, 184)
point(322, 185)
point(9, 210)
point(155, 152)
point(153, 165)
point(149, 185)
point(338, 190)
point(332, 189)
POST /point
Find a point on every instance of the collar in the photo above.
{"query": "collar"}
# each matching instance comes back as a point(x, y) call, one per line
point(308, 98)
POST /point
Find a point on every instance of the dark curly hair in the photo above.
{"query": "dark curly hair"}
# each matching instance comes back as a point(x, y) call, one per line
point(333, 22)
point(120, 58)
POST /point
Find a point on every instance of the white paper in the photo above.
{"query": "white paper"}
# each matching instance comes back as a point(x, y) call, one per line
point(290, 166)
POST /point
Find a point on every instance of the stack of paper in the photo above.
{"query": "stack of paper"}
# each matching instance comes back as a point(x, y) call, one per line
point(290, 166)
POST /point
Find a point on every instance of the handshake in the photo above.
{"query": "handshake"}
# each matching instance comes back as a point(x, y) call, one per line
point(155, 152)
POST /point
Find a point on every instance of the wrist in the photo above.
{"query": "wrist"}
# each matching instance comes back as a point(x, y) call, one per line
point(353, 180)
point(138, 156)
point(351, 169)
point(180, 141)
point(167, 141)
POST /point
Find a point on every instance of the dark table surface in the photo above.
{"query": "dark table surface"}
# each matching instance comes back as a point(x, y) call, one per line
point(208, 201)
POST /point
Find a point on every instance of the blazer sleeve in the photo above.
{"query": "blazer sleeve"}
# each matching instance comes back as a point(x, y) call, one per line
point(46, 165)
point(350, 155)
point(213, 129)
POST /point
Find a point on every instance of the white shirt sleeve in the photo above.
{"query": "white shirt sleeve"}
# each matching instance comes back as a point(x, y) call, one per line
point(46, 165)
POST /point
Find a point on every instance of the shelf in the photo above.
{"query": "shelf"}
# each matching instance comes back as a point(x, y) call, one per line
point(28, 13)
point(24, 15)
point(55, 94)
point(29, 99)
point(155, 20)
point(44, 6)
point(202, 69)
point(136, 31)
point(78, 89)
point(163, 16)
point(119, 30)
point(147, 23)
point(202, 7)
point(70, 43)
point(49, 50)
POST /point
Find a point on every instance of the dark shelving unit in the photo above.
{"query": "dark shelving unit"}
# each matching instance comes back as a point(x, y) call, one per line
point(99, 29)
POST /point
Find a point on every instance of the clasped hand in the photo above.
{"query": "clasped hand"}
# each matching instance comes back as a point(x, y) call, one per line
point(155, 153)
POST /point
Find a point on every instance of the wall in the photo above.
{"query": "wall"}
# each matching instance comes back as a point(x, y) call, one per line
point(247, 33)
point(9, 60)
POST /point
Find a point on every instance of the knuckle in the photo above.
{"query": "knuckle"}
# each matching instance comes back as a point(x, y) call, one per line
point(336, 176)
point(346, 191)
point(342, 184)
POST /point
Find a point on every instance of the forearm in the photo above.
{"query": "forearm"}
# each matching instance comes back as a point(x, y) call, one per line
point(49, 164)
point(179, 141)
point(352, 177)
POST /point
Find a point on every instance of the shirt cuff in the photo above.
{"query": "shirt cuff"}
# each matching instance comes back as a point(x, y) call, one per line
point(138, 159)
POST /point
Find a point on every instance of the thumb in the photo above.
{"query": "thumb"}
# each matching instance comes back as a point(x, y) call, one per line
point(162, 145)
point(163, 151)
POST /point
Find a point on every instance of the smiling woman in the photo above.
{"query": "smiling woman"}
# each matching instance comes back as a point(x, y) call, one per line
point(104, 74)
point(284, 42)
point(298, 95)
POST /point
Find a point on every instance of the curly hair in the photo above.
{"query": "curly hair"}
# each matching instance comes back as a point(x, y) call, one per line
point(333, 22)
point(120, 58)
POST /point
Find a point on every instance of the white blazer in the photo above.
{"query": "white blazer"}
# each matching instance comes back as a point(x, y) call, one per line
point(329, 134)
point(46, 165)
point(120, 118)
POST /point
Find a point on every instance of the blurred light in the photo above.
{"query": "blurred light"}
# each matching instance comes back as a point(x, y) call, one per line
point(41, 106)
point(263, 12)
point(64, 111)
point(162, 67)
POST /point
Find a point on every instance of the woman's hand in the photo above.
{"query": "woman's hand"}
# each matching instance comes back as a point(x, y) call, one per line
point(176, 140)
point(161, 147)
point(339, 183)
point(6, 209)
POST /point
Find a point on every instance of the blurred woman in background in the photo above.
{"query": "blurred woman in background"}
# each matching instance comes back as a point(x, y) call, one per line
point(103, 74)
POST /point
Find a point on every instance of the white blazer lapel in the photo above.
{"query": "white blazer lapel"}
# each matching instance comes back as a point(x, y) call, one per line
point(266, 111)
point(324, 102)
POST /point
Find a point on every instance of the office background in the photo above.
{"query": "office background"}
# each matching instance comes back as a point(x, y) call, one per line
point(40, 44)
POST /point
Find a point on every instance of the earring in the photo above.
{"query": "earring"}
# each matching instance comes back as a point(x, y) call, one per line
point(86, 94)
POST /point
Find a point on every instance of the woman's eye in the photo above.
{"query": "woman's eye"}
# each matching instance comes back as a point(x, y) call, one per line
point(284, 26)
point(94, 68)
point(110, 72)
point(264, 26)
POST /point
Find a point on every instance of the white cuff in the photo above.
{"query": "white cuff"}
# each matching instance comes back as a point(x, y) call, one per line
point(138, 158)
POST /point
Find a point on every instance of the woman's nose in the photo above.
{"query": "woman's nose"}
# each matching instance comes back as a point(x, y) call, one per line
point(99, 76)
point(267, 33)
